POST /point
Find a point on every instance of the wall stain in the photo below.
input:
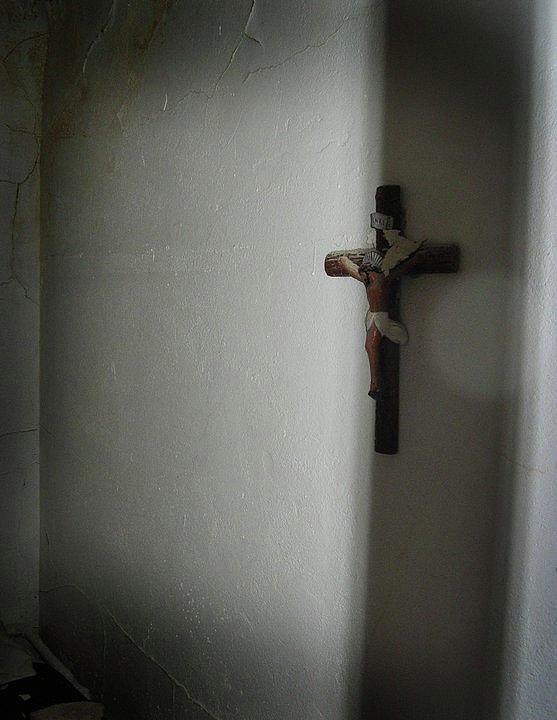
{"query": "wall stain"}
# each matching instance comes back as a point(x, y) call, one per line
point(127, 37)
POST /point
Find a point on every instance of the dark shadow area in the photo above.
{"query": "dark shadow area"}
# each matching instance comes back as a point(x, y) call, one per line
point(440, 514)
point(47, 687)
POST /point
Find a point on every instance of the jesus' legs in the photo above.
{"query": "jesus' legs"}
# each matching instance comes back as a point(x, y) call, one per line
point(373, 345)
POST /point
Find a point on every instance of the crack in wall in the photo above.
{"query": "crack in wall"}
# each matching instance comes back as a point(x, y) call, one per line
point(312, 46)
point(250, 18)
point(18, 432)
point(31, 38)
point(21, 131)
point(101, 608)
point(16, 83)
point(99, 36)
point(34, 164)
point(14, 276)
point(245, 34)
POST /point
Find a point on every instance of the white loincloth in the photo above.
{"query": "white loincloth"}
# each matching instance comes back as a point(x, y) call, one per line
point(391, 329)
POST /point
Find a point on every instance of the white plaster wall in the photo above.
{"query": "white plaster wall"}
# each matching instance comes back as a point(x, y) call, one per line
point(22, 48)
point(206, 436)
point(217, 537)
point(528, 670)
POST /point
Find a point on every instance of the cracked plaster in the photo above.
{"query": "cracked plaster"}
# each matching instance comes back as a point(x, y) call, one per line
point(22, 44)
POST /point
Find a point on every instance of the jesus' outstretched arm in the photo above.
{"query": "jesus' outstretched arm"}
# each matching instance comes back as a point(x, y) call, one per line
point(351, 268)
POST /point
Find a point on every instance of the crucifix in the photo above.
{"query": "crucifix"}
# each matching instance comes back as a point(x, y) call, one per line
point(380, 269)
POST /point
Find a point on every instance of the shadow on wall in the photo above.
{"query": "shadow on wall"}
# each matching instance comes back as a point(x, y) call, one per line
point(160, 678)
point(436, 586)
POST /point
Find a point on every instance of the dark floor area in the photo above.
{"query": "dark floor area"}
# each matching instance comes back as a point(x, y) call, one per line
point(20, 698)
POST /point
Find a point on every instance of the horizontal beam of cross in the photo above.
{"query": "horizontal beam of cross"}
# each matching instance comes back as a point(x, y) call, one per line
point(429, 259)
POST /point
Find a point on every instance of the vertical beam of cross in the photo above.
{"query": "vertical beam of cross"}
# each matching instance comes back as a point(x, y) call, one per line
point(386, 279)
point(388, 204)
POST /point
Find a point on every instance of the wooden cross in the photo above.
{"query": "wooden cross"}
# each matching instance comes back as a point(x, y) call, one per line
point(380, 269)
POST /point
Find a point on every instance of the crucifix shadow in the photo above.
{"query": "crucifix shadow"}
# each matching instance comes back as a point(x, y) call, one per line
point(435, 579)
